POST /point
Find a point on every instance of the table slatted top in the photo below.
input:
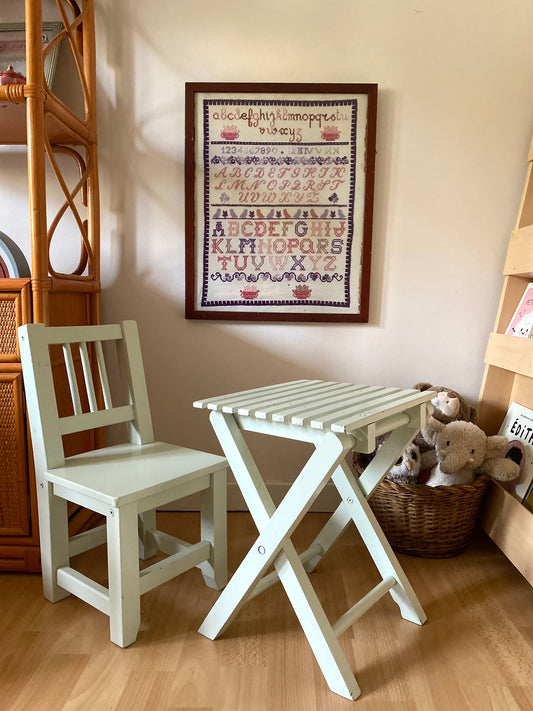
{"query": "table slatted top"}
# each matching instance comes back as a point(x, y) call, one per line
point(339, 407)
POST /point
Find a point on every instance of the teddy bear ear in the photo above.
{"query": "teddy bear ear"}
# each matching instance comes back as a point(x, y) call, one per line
point(422, 386)
point(431, 430)
point(495, 446)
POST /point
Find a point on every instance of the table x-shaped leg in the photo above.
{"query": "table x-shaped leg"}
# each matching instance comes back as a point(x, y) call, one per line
point(354, 507)
point(273, 546)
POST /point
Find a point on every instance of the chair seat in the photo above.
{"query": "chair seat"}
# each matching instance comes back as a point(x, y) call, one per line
point(137, 471)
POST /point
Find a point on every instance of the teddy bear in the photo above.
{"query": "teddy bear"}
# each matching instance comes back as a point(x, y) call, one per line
point(464, 450)
point(407, 468)
point(448, 405)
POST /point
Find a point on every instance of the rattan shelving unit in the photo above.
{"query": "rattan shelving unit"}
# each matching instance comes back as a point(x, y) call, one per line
point(508, 377)
point(32, 115)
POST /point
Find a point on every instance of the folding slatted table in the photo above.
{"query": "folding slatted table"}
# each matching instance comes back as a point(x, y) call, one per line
point(336, 418)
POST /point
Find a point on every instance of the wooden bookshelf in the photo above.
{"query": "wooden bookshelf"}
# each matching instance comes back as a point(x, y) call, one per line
point(508, 377)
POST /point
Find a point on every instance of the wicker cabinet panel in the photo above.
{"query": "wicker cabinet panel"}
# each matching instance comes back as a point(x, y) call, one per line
point(14, 311)
point(8, 326)
point(14, 494)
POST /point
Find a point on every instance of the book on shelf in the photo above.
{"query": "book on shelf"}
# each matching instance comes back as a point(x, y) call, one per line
point(517, 426)
point(521, 323)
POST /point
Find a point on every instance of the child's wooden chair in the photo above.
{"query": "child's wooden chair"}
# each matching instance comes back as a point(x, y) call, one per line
point(125, 482)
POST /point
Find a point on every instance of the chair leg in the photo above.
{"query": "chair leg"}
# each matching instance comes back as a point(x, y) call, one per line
point(147, 524)
point(53, 532)
point(123, 570)
point(214, 530)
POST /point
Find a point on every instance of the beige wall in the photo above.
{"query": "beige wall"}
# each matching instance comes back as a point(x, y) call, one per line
point(455, 118)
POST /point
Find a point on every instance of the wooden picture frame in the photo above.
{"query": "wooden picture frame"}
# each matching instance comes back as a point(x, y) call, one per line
point(13, 47)
point(279, 187)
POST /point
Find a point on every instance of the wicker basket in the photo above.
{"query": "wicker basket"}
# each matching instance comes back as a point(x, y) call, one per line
point(426, 521)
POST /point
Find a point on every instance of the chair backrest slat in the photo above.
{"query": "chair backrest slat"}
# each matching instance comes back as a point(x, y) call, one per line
point(72, 381)
point(89, 385)
point(134, 383)
point(104, 381)
point(87, 374)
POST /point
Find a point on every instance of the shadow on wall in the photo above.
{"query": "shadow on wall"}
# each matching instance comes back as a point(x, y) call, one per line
point(184, 360)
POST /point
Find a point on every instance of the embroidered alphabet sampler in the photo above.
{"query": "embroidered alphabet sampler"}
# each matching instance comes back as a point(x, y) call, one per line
point(282, 204)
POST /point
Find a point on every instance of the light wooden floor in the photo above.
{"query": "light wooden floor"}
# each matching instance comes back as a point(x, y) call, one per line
point(475, 653)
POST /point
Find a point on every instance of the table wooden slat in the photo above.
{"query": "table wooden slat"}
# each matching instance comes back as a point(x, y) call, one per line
point(216, 403)
point(340, 407)
point(379, 412)
point(268, 404)
point(330, 397)
point(310, 399)
point(337, 409)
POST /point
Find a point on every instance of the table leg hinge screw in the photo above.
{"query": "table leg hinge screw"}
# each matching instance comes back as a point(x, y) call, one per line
point(349, 500)
point(261, 550)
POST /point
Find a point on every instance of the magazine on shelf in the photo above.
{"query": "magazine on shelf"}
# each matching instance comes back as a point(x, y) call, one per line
point(522, 322)
point(517, 426)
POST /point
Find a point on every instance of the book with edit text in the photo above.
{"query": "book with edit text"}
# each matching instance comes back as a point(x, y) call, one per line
point(517, 426)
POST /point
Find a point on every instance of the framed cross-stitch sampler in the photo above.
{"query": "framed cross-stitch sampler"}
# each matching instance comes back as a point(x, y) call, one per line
point(279, 187)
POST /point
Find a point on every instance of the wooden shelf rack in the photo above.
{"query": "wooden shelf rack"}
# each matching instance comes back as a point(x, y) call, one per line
point(32, 115)
point(508, 377)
